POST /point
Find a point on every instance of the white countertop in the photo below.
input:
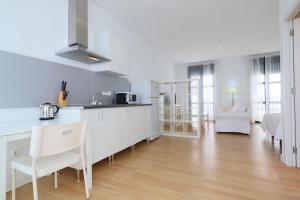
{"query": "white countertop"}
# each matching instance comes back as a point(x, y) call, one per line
point(24, 126)
point(87, 107)
point(21, 120)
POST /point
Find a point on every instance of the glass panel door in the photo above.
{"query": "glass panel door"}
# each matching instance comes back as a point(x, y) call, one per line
point(167, 101)
point(180, 109)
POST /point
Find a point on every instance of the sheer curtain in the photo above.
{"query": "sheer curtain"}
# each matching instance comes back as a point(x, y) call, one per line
point(204, 72)
point(265, 87)
point(258, 89)
point(208, 90)
point(274, 84)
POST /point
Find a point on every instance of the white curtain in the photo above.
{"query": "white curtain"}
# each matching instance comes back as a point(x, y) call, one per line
point(208, 91)
point(273, 86)
point(258, 89)
point(205, 72)
point(265, 87)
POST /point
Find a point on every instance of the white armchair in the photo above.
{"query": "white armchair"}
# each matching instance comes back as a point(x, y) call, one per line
point(234, 120)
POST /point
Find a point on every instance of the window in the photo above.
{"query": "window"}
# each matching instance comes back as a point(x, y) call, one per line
point(194, 98)
point(208, 95)
point(258, 89)
point(274, 85)
point(266, 87)
point(206, 86)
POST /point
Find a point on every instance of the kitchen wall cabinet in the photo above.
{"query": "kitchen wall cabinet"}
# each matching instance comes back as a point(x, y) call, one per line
point(115, 129)
point(111, 45)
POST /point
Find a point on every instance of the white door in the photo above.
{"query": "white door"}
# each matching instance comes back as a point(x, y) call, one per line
point(296, 23)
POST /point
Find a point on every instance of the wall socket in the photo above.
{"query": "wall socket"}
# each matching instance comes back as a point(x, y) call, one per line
point(106, 93)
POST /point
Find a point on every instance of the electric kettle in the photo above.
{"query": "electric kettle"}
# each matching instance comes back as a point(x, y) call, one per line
point(47, 111)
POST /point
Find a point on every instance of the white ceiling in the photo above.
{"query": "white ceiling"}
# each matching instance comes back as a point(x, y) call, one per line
point(197, 30)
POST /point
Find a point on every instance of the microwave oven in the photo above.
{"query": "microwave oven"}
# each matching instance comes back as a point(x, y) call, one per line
point(125, 98)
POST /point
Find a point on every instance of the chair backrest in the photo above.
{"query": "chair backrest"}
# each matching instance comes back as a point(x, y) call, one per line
point(54, 139)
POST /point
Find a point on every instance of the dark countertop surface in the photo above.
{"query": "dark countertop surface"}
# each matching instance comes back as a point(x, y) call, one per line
point(113, 106)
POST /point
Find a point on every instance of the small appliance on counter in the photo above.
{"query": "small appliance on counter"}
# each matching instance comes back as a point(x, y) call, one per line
point(47, 111)
point(63, 94)
point(125, 98)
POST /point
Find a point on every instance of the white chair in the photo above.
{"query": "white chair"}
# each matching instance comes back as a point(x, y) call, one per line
point(51, 150)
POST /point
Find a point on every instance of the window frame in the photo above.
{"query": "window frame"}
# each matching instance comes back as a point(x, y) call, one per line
point(202, 85)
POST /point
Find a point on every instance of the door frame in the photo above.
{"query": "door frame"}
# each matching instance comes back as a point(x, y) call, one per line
point(296, 71)
point(288, 11)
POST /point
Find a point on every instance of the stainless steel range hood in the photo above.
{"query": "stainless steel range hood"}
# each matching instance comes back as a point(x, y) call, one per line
point(78, 35)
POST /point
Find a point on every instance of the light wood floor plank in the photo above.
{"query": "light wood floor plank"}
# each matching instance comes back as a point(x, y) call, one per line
point(214, 167)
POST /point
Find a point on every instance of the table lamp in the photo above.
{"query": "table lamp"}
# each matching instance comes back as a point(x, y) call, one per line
point(232, 91)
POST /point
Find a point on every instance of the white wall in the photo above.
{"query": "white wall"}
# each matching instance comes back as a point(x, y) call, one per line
point(288, 128)
point(181, 71)
point(40, 28)
point(232, 72)
point(229, 72)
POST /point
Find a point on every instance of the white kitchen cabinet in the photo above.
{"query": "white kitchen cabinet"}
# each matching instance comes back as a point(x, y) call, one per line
point(111, 45)
point(148, 92)
point(115, 129)
point(141, 126)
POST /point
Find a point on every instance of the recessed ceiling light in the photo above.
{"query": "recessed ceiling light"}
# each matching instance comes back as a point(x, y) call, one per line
point(219, 48)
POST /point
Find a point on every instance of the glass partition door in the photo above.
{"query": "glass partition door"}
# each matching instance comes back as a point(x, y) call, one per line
point(179, 109)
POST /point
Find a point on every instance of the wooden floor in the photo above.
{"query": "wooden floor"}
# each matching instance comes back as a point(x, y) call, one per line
point(216, 166)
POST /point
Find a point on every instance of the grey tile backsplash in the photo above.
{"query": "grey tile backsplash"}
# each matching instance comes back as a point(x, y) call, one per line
point(29, 82)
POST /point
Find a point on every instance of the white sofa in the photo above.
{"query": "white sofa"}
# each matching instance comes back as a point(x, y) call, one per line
point(235, 120)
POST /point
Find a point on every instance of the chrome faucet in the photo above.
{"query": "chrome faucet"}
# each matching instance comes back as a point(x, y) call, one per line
point(96, 101)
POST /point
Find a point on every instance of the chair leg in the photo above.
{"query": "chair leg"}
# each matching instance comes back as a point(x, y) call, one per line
point(78, 175)
point(85, 178)
point(34, 186)
point(13, 184)
point(55, 180)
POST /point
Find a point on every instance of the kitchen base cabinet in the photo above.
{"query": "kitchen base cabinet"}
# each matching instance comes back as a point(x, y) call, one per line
point(115, 129)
